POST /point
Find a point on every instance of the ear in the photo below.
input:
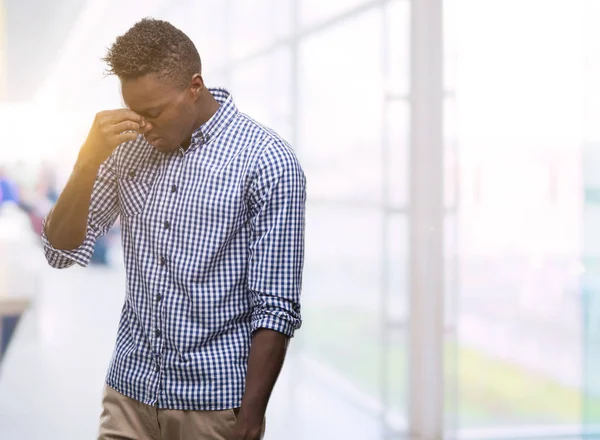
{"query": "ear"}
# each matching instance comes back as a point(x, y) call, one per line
point(197, 85)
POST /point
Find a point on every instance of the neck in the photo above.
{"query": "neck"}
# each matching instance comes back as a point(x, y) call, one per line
point(207, 107)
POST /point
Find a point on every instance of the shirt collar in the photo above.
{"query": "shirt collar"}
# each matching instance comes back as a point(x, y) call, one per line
point(221, 119)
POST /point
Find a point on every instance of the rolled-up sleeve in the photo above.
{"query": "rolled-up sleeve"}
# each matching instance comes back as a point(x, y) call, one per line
point(102, 214)
point(278, 201)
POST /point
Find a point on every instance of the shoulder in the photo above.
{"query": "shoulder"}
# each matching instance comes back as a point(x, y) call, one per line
point(270, 150)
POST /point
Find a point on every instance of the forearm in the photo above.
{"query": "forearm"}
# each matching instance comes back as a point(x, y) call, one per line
point(66, 225)
point(267, 353)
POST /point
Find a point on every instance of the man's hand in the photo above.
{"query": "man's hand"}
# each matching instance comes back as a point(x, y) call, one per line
point(246, 429)
point(267, 352)
point(110, 129)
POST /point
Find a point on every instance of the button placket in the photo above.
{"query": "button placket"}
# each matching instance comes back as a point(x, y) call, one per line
point(163, 261)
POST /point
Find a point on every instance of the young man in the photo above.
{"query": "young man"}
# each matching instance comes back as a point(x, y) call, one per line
point(212, 208)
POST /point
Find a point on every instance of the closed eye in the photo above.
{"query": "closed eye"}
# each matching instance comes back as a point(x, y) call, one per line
point(151, 114)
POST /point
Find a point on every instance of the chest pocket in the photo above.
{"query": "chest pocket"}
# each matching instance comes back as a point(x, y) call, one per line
point(134, 189)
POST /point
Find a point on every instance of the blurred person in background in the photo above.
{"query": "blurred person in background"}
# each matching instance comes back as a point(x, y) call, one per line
point(9, 192)
point(40, 197)
point(211, 206)
point(44, 197)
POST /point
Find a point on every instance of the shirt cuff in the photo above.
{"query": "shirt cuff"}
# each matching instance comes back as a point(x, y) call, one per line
point(275, 321)
point(60, 259)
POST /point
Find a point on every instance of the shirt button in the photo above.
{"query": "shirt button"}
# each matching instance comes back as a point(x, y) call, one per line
point(173, 188)
point(163, 261)
point(157, 333)
point(158, 297)
point(167, 224)
point(157, 368)
point(132, 173)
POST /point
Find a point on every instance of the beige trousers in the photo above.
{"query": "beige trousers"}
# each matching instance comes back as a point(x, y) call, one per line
point(124, 418)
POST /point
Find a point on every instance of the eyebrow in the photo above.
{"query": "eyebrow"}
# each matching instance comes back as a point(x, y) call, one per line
point(146, 112)
point(142, 112)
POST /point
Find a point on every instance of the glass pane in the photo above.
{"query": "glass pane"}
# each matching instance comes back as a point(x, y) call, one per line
point(256, 24)
point(396, 268)
point(314, 11)
point(342, 292)
point(395, 386)
point(396, 380)
point(591, 40)
point(590, 279)
point(397, 156)
point(261, 88)
point(590, 285)
point(177, 17)
point(341, 106)
point(208, 31)
point(520, 69)
point(397, 19)
point(519, 352)
point(451, 33)
point(451, 279)
point(450, 153)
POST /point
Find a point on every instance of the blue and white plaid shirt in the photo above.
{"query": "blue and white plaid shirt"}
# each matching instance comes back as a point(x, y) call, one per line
point(213, 240)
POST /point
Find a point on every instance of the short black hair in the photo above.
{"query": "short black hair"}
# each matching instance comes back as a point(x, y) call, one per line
point(154, 46)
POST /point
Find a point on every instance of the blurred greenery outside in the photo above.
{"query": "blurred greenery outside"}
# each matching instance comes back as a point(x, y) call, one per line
point(491, 392)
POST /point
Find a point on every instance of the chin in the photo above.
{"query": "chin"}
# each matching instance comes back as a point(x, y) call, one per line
point(162, 146)
point(165, 148)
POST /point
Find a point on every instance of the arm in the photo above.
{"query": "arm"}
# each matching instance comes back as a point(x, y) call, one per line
point(85, 210)
point(88, 205)
point(275, 279)
point(66, 224)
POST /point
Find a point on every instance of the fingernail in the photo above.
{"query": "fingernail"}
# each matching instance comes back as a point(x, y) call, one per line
point(143, 123)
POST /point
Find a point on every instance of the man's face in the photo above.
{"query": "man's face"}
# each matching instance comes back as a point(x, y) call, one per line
point(167, 107)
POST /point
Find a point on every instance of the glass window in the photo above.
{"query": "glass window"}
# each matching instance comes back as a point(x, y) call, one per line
point(450, 153)
point(590, 270)
point(519, 351)
point(451, 33)
point(206, 25)
point(256, 24)
point(451, 280)
point(397, 155)
point(314, 11)
point(397, 20)
point(262, 89)
point(342, 293)
point(341, 102)
point(396, 267)
point(591, 41)
point(395, 345)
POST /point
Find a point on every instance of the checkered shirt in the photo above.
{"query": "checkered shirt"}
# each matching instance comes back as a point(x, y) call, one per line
point(213, 242)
